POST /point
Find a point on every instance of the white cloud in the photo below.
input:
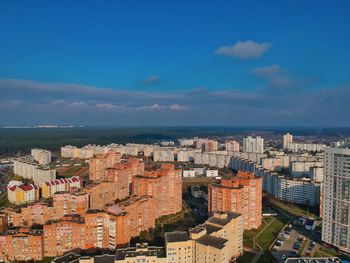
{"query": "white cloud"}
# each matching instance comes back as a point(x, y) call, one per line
point(267, 71)
point(151, 80)
point(244, 50)
point(177, 107)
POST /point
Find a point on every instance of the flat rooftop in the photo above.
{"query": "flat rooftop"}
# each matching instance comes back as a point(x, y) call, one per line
point(132, 252)
point(223, 221)
point(68, 258)
point(177, 236)
point(211, 241)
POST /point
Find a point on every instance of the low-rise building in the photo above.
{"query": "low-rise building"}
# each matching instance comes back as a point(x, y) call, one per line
point(212, 173)
point(188, 173)
point(60, 185)
point(19, 193)
point(141, 253)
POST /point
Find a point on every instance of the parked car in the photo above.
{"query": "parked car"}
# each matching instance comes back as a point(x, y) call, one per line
point(296, 245)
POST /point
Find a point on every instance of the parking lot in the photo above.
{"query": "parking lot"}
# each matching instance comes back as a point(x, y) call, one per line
point(294, 242)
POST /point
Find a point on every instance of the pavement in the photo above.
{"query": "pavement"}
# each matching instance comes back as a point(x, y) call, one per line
point(286, 249)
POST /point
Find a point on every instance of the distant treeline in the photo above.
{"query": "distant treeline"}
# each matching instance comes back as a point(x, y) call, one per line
point(13, 141)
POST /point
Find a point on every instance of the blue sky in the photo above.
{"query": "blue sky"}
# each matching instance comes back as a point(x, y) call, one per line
point(232, 63)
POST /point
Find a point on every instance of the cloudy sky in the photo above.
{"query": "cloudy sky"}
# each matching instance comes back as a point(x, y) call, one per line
point(127, 63)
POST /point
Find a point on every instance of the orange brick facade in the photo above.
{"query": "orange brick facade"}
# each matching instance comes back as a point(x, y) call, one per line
point(241, 194)
point(100, 194)
point(22, 244)
point(98, 165)
point(165, 185)
point(122, 175)
point(94, 217)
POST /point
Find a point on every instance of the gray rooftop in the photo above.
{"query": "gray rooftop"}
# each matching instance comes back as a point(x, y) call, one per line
point(223, 221)
point(212, 241)
point(67, 258)
point(104, 259)
point(148, 251)
point(177, 236)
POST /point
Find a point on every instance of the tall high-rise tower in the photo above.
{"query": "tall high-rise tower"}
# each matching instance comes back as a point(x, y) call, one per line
point(287, 138)
point(336, 197)
point(253, 145)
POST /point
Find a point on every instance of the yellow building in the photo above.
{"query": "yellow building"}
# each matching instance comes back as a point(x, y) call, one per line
point(141, 253)
point(19, 193)
point(219, 239)
point(179, 247)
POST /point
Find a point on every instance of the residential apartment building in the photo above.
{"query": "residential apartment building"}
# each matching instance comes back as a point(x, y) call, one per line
point(302, 168)
point(336, 197)
point(165, 185)
point(186, 155)
point(63, 235)
point(219, 239)
point(206, 145)
point(41, 156)
point(122, 174)
point(186, 142)
point(287, 139)
point(76, 201)
point(164, 154)
point(3, 221)
point(38, 213)
point(85, 152)
point(60, 185)
point(214, 159)
point(99, 164)
point(100, 194)
point(241, 194)
point(308, 147)
point(141, 253)
point(254, 145)
point(29, 169)
point(22, 245)
point(131, 217)
point(294, 190)
point(232, 146)
point(276, 163)
point(19, 193)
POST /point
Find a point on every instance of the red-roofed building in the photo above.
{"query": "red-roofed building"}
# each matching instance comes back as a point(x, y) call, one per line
point(19, 193)
point(61, 185)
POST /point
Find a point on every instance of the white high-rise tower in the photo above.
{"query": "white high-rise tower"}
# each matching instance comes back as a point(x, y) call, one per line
point(287, 138)
point(253, 145)
point(336, 197)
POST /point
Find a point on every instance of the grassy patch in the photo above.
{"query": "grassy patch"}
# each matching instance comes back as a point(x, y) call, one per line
point(325, 252)
point(4, 202)
point(248, 243)
point(253, 232)
point(271, 232)
point(248, 235)
point(246, 257)
point(292, 208)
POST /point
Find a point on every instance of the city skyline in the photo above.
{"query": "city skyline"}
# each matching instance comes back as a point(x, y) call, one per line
point(183, 64)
